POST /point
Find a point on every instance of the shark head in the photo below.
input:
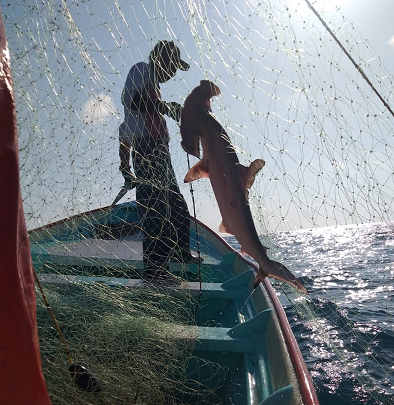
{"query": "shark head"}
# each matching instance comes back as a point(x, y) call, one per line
point(196, 108)
point(208, 89)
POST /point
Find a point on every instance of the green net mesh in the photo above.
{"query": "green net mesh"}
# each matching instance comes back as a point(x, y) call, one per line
point(127, 339)
point(289, 96)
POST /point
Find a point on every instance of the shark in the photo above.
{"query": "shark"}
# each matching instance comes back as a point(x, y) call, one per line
point(230, 180)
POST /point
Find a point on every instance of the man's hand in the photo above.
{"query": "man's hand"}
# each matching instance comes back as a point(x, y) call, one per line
point(174, 110)
point(130, 181)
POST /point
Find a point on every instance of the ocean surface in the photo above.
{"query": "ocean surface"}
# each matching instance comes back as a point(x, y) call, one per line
point(345, 326)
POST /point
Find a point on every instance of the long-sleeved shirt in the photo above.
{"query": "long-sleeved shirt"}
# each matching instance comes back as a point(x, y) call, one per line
point(140, 92)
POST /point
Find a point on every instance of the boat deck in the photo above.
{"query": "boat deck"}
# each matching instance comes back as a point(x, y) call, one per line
point(235, 326)
point(122, 258)
point(228, 331)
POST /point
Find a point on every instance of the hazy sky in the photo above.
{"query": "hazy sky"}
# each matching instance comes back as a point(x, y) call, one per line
point(289, 96)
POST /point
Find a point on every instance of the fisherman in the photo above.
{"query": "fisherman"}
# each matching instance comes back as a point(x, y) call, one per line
point(164, 214)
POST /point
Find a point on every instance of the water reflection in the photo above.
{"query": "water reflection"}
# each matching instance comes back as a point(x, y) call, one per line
point(345, 327)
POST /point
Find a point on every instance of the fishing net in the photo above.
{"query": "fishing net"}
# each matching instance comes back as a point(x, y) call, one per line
point(127, 339)
point(300, 88)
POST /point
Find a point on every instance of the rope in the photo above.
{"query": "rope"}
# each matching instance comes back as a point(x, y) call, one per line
point(358, 67)
point(196, 229)
point(53, 318)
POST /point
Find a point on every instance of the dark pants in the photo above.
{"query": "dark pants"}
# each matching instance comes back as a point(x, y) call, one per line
point(163, 211)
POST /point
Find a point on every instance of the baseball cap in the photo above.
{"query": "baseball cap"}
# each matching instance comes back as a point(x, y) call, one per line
point(173, 51)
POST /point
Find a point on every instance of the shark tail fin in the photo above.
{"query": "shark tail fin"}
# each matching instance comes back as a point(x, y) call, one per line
point(279, 272)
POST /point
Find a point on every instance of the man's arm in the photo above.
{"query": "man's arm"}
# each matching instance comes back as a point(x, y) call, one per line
point(146, 104)
point(124, 155)
point(135, 95)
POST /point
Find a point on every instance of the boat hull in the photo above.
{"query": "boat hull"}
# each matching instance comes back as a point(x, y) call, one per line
point(244, 331)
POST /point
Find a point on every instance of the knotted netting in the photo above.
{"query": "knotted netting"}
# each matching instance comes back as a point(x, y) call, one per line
point(290, 94)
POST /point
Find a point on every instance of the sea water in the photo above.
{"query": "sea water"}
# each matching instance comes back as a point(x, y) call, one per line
point(345, 326)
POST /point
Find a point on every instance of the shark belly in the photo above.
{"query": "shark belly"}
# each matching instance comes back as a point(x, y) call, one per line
point(235, 211)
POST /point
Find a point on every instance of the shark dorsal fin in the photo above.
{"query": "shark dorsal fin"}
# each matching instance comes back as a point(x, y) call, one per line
point(248, 173)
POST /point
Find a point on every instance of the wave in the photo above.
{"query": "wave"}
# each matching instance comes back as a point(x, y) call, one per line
point(347, 350)
point(345, 327)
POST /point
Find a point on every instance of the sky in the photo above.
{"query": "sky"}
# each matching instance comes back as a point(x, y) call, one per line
point(289, 96)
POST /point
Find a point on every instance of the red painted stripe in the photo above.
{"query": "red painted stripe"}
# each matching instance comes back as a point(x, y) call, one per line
point(21, 378)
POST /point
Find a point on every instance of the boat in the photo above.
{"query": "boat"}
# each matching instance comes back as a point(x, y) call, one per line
point(241, 330)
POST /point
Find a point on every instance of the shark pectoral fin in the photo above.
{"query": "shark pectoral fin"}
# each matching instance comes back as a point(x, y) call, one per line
point(198, 171)
point(280, 272)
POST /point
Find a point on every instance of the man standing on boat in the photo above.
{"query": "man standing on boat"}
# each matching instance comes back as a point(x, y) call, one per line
point(162, 208)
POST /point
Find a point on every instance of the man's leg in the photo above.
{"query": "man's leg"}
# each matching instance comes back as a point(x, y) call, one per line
point(180, 221)
point(153, 208)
